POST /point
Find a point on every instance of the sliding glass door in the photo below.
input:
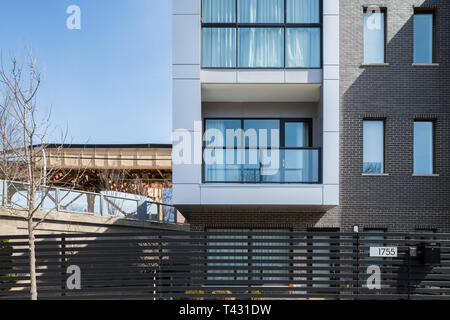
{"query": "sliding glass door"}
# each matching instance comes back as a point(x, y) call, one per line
point(260, 151)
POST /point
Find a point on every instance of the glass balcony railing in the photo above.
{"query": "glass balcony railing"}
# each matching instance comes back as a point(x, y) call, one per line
point(281, 165)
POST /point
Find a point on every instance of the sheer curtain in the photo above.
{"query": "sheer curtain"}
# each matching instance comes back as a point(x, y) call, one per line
point(261, 47)
point(303, 47)
point(261, 11)
point(219, 11)
point(303, 11)
point(219, 47)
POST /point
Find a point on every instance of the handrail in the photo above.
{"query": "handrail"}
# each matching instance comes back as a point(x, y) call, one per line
point(86, 202)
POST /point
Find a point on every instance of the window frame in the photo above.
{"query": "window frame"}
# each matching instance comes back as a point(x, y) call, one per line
point(284, 25)
point(433, 139)
point(385, 20)
point(434, 45)
point(249, 242)
point(383, 120)
point(281, 147)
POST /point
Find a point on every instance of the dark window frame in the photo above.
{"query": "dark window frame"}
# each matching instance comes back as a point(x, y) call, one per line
point(434, 46)
point(285, 25)
point(434, 145)
point(385, 20)
point(281, 147)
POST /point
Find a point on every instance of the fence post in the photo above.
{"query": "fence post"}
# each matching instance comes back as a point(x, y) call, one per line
point(5, 193)
point(159, 283)
point(63, 266)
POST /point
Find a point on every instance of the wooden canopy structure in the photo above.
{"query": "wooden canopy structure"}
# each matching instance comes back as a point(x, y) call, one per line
point(134, 168)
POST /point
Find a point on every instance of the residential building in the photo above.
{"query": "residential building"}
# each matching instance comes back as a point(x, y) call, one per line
point(256, 94)
point(353, 102)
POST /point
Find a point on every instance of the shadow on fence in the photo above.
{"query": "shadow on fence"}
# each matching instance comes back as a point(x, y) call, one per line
point(228, 265)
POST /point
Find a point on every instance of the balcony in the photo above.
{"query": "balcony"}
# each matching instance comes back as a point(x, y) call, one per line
point(281, 165)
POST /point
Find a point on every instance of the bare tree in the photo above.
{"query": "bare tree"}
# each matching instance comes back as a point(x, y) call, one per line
point(23, 131)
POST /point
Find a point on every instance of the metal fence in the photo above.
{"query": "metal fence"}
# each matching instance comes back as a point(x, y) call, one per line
point(108, 203)
point(230, 265)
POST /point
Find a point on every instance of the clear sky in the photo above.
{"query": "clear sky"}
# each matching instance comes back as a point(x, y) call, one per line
point(108, 82)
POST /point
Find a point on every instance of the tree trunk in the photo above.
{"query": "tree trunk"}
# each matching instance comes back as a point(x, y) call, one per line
point(33, 284)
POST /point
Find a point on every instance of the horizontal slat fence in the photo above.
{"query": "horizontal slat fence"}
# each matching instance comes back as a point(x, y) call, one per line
point(224, 266)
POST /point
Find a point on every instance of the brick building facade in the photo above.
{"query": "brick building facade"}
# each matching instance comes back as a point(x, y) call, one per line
point(399, 93)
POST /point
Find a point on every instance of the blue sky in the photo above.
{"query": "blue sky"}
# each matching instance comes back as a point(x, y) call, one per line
point(106, 83)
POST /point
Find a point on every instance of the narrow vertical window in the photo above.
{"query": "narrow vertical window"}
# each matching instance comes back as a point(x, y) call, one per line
point(373, 146)
point(423, 147)
point(374, 35)
point(423, 37)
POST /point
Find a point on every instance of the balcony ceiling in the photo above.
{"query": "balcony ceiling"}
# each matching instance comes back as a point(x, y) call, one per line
point(268, 92)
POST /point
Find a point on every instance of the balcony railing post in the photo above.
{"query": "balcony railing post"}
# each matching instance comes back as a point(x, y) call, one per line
point(175, 215)
point(57, 199)
point(101, 204)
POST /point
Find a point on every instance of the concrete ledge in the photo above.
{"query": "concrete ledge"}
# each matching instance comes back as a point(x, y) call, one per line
point(425, 64)
point(14, 220)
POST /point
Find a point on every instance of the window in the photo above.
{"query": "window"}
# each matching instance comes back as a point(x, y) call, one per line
point(260, 151)
point(373, 146)
point(261, 34)
point(423, 147)
point(423, 36)
point(374, 35)
point(252, 258)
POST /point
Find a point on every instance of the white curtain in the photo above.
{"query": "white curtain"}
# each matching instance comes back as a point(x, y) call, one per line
point(303, 47)
point(219, 47)
point(261, 47)
point(219, 11)
point(261, 11)
point(303, 11)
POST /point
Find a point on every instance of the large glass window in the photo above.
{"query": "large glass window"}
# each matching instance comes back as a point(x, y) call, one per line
point(261, 34)
point(219, 11)
point(373, 146)
point(374, 35)
point(423, 37)
point(423, 147)
point(261, 47)
point(261, 11)
point(260, 151)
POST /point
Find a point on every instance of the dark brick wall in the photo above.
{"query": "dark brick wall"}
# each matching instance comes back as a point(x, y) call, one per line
point(398, 92)
point(300, 221)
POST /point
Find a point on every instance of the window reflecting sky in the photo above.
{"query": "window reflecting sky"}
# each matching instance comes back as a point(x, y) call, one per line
point(423, 147)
